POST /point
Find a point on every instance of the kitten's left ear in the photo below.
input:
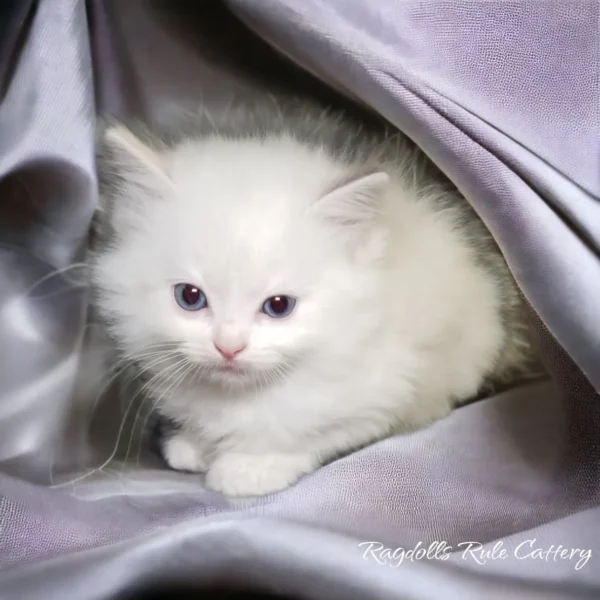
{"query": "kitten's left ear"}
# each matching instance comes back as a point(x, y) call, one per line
point(355, 201)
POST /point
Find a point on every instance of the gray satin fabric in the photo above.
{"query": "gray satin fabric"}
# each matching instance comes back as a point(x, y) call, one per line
point(504, 97)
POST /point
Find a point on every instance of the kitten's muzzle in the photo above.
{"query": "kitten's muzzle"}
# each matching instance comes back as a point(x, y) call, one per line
point(229, 353)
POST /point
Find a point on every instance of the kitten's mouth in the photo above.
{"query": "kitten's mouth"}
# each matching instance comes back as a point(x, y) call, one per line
point(230, 368)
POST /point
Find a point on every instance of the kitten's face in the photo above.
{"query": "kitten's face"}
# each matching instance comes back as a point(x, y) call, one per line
point(229, 269)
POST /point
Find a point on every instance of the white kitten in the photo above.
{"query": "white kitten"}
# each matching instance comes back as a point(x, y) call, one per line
point(295, 290)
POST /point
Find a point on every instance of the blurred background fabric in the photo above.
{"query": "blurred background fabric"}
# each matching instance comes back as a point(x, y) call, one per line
point(504, 97)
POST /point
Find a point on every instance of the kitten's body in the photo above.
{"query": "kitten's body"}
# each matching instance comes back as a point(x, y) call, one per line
point(405, 307)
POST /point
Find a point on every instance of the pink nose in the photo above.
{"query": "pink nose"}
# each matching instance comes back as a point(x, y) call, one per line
point(229, 353)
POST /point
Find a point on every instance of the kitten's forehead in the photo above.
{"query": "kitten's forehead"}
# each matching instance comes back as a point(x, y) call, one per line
point(240, 209)
point(245, 253)
point(253, 171)
point(249, 193)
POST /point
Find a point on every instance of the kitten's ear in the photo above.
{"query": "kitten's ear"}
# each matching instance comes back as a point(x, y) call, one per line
point(133, 154)
point(131, 174)
point(355, 201)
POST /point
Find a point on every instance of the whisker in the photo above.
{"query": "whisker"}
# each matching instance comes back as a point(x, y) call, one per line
point(178, 382)
point(181, 366)
point(162, 356)
point(56, 272)
point(116, 446)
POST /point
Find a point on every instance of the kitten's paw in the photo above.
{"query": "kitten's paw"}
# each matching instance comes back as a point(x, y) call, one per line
point(257, 474)
point(183, 454)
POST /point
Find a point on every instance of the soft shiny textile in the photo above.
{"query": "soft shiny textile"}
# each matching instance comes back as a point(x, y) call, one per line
point(504, 97)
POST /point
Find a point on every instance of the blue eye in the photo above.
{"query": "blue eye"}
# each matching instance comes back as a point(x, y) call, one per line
point(278, 307)
point(189, 297)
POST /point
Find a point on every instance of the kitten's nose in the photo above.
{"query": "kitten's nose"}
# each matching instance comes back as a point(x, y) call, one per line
point(229, 352)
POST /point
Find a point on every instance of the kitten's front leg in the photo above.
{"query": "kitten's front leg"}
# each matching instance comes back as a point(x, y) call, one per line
point(247, 474)
point(184, 452)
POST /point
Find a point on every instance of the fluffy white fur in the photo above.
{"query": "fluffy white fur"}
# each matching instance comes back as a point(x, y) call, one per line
point(396, 321)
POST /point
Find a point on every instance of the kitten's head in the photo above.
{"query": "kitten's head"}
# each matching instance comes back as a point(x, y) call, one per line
point(235, 262)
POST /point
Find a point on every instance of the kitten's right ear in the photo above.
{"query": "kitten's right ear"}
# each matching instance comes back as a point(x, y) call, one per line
point(131, 173)
point(133, 154)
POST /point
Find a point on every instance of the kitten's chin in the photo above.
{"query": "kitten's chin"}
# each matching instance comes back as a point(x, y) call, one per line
point(230, 375)
point(233, 375)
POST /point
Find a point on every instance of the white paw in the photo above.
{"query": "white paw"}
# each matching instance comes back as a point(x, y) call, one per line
point(257, 474)
point(184, 454)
